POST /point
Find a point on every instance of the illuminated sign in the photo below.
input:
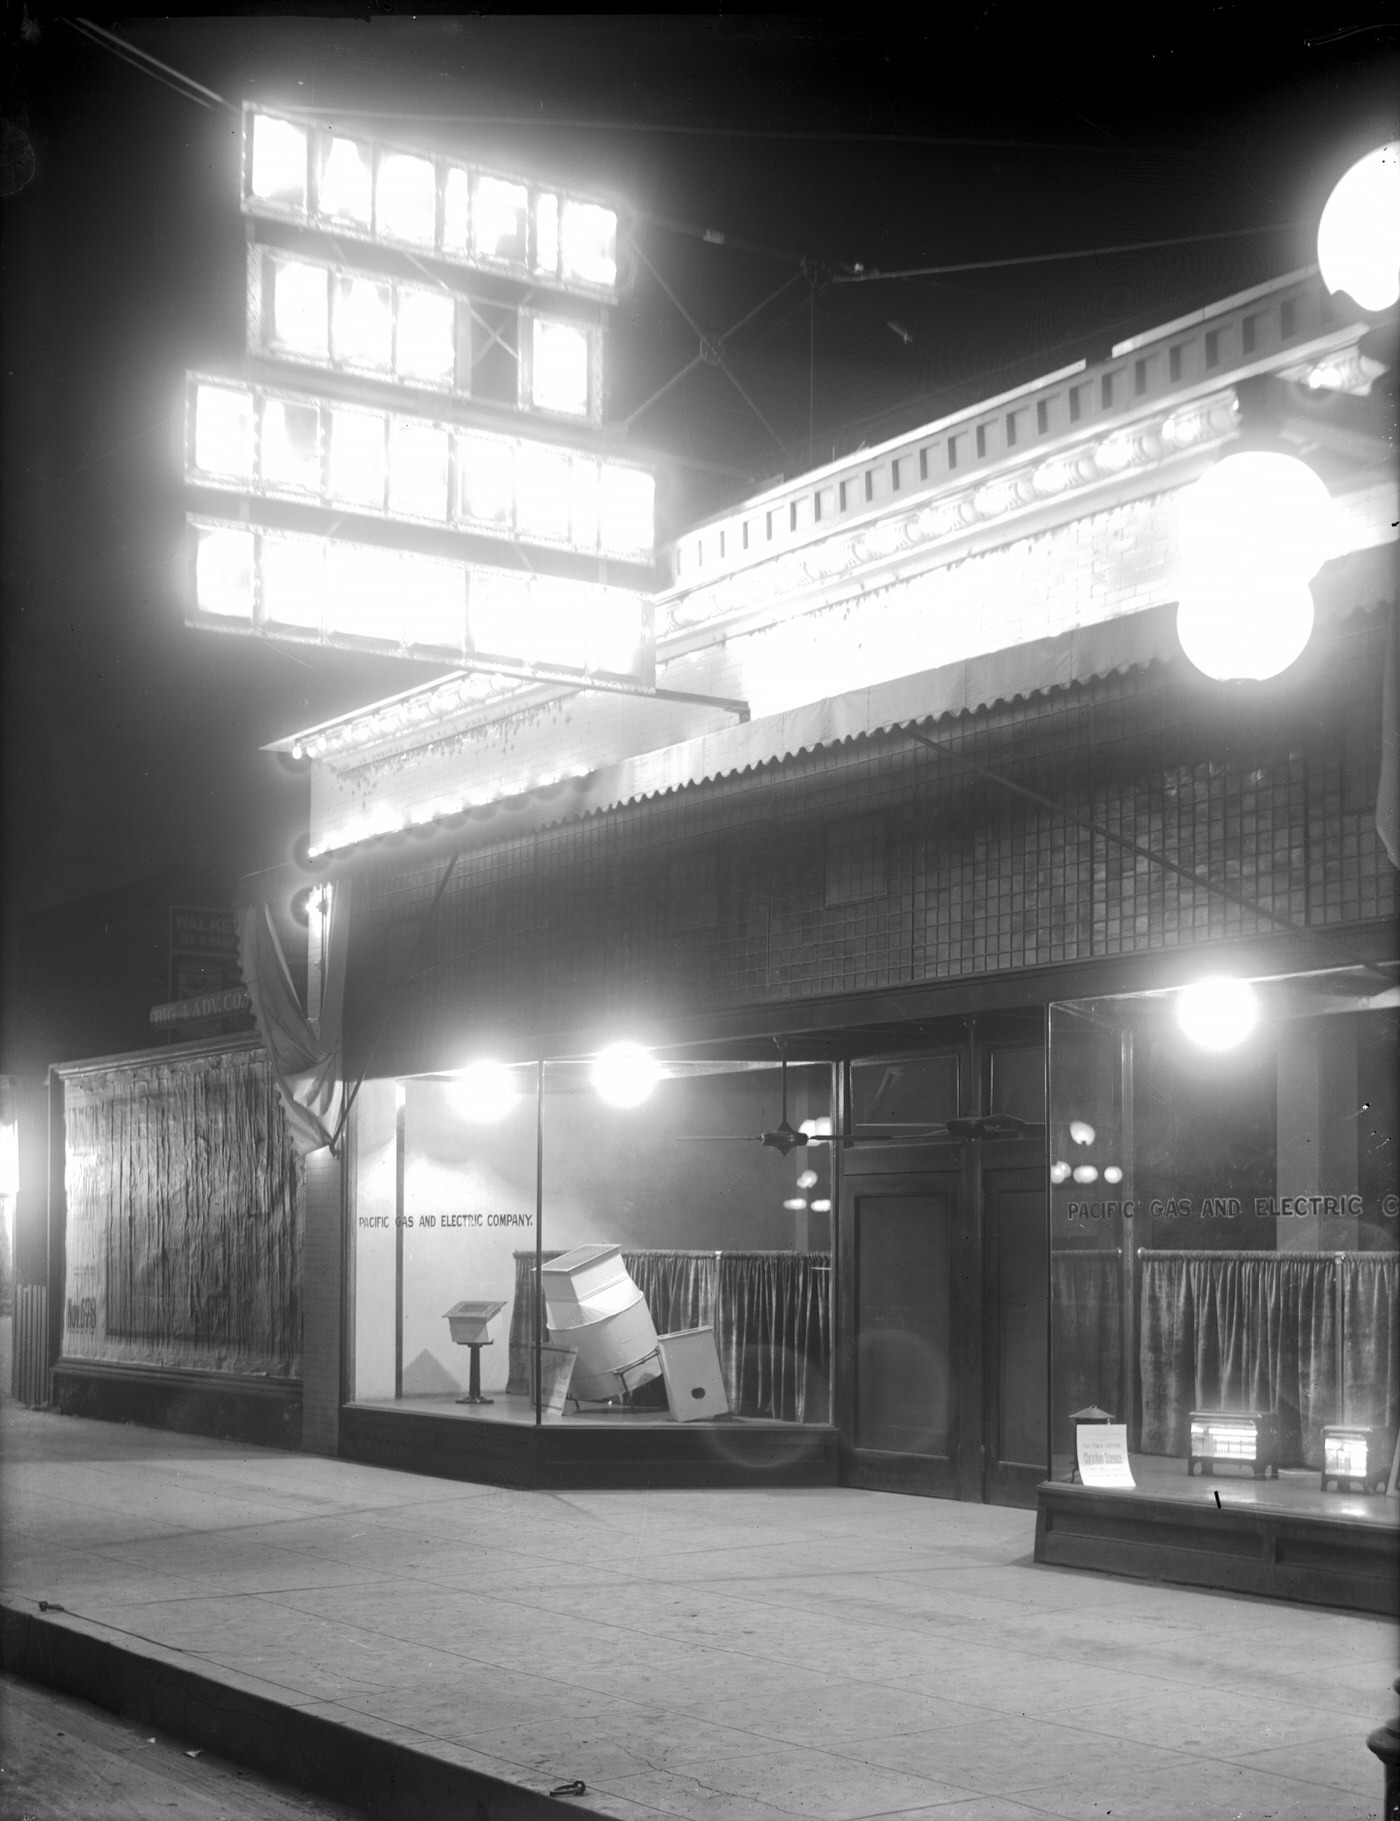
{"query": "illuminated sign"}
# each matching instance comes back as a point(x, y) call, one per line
point(344, 183)
point(369, 597)
point(321, 313)
point(276, 443)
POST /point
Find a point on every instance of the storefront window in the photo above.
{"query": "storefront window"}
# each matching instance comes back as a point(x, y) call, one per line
point(686, 1264)
point(1224, 1221)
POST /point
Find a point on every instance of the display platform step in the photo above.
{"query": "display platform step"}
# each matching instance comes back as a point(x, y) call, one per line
point(578, 1454)
point(266, 1412)
point(1238, 1545)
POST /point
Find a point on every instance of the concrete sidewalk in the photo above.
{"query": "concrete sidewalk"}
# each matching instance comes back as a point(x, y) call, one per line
point(424, 1646)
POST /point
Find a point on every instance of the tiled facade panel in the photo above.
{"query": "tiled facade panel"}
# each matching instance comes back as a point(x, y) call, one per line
point(579, 925)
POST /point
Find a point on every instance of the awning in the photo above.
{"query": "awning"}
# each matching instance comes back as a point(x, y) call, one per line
point(1362, 580)
point(1021, 671)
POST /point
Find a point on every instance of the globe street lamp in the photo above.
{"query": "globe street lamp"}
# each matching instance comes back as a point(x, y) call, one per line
point(1259, 525)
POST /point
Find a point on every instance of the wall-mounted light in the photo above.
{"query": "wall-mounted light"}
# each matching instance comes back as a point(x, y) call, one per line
point(1358, 233)
point(1255, 529)
point(625, 1074)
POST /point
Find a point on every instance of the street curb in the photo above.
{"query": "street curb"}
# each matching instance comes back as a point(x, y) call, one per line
point(388, 1780)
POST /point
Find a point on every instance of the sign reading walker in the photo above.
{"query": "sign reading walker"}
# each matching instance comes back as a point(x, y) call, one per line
point(1103, 1455)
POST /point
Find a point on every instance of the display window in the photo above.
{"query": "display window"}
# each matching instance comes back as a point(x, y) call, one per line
point(1223, 1252)
point(618, 1239)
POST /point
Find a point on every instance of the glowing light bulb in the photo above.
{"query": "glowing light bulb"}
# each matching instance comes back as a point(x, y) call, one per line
point(484, 1092)
point(807, 1179)
point(1113, 1174)
point(1081, 1131)
point(1085, 1173)
point(1218, 1014)
point(1059, 1172)
point(625, 1074)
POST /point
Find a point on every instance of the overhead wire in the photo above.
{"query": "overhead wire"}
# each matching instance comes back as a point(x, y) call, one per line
point(151, 66)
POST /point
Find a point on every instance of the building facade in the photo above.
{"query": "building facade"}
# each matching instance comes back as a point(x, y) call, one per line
point(897, 885)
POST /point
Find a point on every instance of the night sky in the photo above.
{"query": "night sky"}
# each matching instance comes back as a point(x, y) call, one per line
point(132, 742)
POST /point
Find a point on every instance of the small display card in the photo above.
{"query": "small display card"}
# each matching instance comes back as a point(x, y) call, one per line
point(1103, 1454)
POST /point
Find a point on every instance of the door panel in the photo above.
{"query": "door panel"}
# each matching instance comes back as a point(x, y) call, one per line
point(1017, 1310)
point(945, 1307)
point(901, 1403)
point(902, 1305)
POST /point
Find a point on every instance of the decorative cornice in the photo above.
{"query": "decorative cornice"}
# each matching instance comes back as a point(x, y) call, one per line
point(1095, 463)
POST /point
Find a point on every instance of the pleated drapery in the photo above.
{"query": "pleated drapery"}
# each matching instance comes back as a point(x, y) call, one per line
point(184, 1217)
point(1309, 1336)
point(771, 1313)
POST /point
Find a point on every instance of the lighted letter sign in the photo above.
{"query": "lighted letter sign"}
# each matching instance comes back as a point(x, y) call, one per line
point(276, 443)
point(401, 332)
point(358, 596)
point(346, 183)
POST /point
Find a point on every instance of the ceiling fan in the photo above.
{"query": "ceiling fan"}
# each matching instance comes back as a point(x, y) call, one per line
point(784, 1138)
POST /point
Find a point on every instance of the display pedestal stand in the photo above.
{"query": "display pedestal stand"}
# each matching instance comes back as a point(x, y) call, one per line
point(474, 1375)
